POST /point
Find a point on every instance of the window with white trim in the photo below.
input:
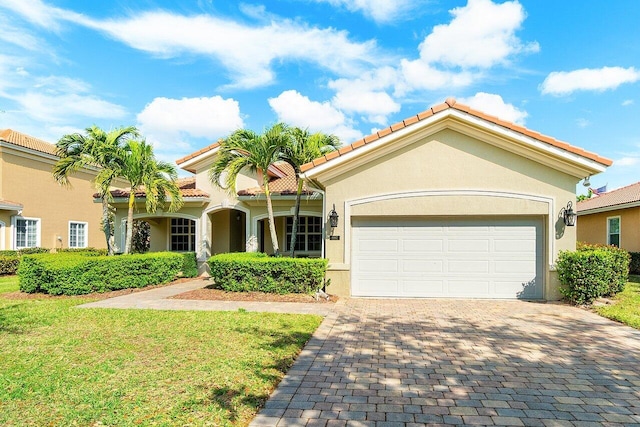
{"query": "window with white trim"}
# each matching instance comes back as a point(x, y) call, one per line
point(183, 235)
point(26, 232)
point(613, 231)
point(309, 236)
point(78, 234)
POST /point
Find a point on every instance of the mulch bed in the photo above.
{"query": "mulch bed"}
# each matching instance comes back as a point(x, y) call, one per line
point(209, 293)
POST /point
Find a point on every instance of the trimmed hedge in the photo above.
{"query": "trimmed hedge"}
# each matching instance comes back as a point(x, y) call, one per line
point(189, 264)
point(78, 274)
point(592, 271)
point(634, 267)
point(10, 260)
point(245, 272)
point(85, 251)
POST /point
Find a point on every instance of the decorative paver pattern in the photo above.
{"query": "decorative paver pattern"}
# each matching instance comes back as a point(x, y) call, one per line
point(461, 362)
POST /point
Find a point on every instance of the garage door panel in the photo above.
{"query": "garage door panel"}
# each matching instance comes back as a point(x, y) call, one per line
point(491, 258)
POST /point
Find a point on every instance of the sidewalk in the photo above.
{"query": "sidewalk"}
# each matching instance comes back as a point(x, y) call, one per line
point(156, 299)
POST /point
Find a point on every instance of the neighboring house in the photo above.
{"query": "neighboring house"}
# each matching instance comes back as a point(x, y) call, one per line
point(611, 218)
point(448, 203)
point(37, 211)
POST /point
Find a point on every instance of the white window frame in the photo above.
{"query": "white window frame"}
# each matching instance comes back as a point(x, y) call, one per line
point(192, 237)
point(86, 234)
point(14, 231)
point(306, 234)
point(619, 229)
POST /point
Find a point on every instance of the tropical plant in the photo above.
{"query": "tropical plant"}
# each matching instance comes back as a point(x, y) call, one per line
point(302, 148)
point(246, 149)
point(155, 177)
point(94, 148)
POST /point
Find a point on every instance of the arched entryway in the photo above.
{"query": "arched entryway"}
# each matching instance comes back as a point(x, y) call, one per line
point(228, 231)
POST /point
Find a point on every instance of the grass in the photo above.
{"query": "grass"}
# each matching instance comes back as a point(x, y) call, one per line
point(8, 284)
point(626, 306)
point(67, 366)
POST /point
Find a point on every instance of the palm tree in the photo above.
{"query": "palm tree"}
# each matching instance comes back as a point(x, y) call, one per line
point(247, 149)
point(142, 169)
point(95, 148)
point(304, 147)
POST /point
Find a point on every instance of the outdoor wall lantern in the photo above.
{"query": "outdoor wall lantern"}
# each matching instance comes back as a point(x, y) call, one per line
point(333, 217)
point(568, 215)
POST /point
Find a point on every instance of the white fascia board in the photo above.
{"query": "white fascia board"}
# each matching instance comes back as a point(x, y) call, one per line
point(591, 166)
point(197, 159)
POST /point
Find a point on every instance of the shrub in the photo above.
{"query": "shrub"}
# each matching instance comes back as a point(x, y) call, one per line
point(189, 264)
point(30, 251)
point(591, 272)
point(77, 273)
point(85, 251)
point(246, 272)
point(634, 266)
point(9, 263)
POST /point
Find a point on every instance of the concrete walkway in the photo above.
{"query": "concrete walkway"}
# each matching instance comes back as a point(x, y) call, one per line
point(156, 299)
point(461, 362)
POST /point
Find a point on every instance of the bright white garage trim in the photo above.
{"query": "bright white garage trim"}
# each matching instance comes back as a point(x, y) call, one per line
point(449, 258)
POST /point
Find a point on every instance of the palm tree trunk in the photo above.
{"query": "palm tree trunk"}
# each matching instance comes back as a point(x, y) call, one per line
point(129, 238)
point(272, 224)
point(106, 224)
point(296, 218)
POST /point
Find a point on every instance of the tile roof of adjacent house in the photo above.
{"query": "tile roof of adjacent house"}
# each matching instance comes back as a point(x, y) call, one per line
point(284, 186)
point(451, 103)
point(621, 196)
point(20, 139)
point(8, 204)
point(187, 188)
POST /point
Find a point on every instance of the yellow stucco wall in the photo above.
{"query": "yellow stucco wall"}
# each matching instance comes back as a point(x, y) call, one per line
point(592, 228)
point(27, 179)
point(459, 176)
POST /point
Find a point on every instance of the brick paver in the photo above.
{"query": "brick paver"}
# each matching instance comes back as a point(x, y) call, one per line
point(461, 362)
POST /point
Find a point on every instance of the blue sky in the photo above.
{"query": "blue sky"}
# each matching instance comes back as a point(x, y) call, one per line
point(191, 73)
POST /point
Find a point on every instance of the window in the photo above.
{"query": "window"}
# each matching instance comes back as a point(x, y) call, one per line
point(309, 237)
point(78, 234)
point(183, 235)
point(26, 232)
point(613, 231)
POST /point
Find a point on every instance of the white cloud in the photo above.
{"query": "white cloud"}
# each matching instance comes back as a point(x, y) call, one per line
point(481, 34)
point(366, 95)
point(594, 79)
point(627, 161)
point(627, 102)
point(582, 122)
point(418, 75)
point(298, 110)
point(165, 121)
point(57, 107)
point(493, 104)
point(38, 13)
point(381, 11)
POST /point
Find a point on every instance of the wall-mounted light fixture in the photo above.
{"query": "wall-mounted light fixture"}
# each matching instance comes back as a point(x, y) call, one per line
point(333, 217)
point(586, 182)
point(568, 215)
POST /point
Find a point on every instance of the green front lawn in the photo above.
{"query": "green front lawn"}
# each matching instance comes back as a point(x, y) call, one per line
point(8, 284)
point(67, 366)
point(626, 306)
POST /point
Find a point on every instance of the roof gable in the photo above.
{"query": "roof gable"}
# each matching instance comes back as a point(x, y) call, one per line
point(591, 162)
point(624, 197)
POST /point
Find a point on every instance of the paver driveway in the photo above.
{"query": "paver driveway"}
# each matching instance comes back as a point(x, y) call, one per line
point(398, 362)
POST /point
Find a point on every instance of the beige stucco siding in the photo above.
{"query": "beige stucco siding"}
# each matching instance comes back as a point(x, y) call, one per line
point(592, 228)
point(449, 173)
point(27, 179)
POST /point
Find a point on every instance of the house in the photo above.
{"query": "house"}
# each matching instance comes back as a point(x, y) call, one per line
point(448, 203)
point(611, 218)
point(36, 211)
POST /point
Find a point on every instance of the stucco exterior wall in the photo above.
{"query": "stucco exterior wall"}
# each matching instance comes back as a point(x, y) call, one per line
point(592, 228)
point(28, 179)
point(449, 174)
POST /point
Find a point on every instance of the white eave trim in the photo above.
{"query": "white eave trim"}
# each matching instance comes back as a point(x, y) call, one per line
point(590, 166)
point(188, 164)
point(609, 208)
point(10, 207)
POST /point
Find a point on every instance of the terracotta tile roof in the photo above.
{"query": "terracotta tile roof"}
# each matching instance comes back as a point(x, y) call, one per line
point(451, 103)
point(284, 186)
point(187, 188)
point(197, 153)
point(621, 196)
point(20, 139)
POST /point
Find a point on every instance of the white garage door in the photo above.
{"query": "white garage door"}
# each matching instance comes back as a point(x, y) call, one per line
point(498, 258)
